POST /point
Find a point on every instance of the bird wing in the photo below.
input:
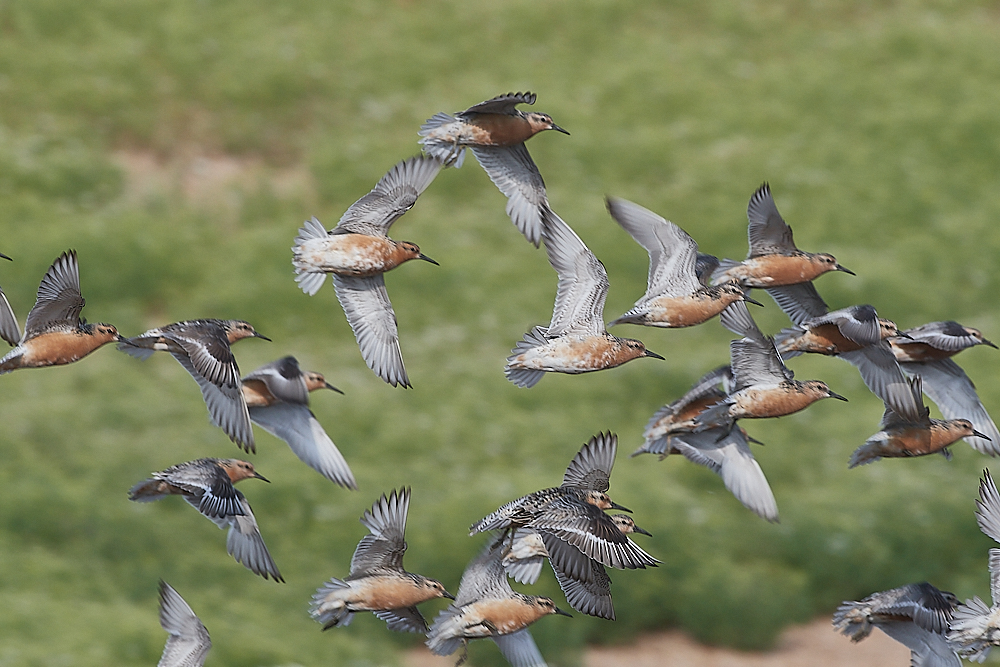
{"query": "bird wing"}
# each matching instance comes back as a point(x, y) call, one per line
point(369, 312)
point(188, 643)
point(988, 507)
point(9, 330)
point(882, 375)
point(406, 619)
point(519, 648)
point(226, 406)
point(392, 196)
point(583, 282)
point(59, 300)
point(801, 302)
point(672, 252)
point(590, 596)
point(484, 577)
point(384, 546)
point(245, 544)
point(949, 336)
point(927, 649)
point(590, 530)
point(767, 232)
point(208, 483)
point(591, 467)
point(857, 323)
point(514, 173)
point(283, 378)
point(950, 388)
point(756, 361)
point(732, 460)
point(501, 104)
point(297, 425)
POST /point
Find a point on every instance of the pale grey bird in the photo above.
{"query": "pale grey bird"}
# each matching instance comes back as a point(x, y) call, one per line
point(855, 334)
point(486, 606)
point(377, 582)
point(915, 615)
point(9, 329)
point(188, 643)
point(495, 132)
point(202, 347)
point(358, 252)
point(975, 627)
point(576, 340)
point(674, 296)
point(277, 396)
point(926, 353)
point(207, 484)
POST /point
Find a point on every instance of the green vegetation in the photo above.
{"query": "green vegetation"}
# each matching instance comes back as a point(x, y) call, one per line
point(875, 123)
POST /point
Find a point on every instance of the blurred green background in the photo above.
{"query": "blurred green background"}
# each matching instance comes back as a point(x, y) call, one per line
point(178, 147)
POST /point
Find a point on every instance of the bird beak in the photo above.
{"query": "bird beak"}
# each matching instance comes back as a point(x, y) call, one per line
point(986, 342)
point(835, 395)
point(845, 270)
point(427, 259)
point(980, 435)
point(330, 386)
point(5, 256)
point(650, 353)
point(557, 610)
point(558, 129)
point(257, 335)
point(259, 476)
point(903, 334)
point(746, 297)
point(637, 529)
point(446, 594)
point(616, 506)
point(121, 338)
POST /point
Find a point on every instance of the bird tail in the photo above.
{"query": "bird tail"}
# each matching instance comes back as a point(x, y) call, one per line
point(147, 491)
point(851, 621)
point(716, 416)
point(332, 613)
point(449, 152)
point(310, 281)
point(526, 377)
point(968, 628)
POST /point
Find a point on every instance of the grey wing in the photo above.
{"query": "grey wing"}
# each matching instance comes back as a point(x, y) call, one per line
point(283, 378)
point(484, 577)
point(591, 467)
point(189, 642)
point(732, 460)
point(369, 312)
point(756, 362)
point(955, 395)
point(210, 487)
point(801, 302)
point(392, 196)
point(226, 405)
point(245, 544)
point(407, 619)
point(994, 563)
point(927, 649)
point(882, 375)
point(767, 231)
point(524, 558)
point(514, 173)
point(988, 507)
point(949, 336)
point(384, 546)
point(591, 531)
point(519, 648)
point(857, 323)
point(297, 425)
point(583, 282)
point(9, 330)
point(928, 607)
point(566, 559)
point(737, 318)
point(672, 252)
point(504, 104)
point(593, 596)
point(59, 299)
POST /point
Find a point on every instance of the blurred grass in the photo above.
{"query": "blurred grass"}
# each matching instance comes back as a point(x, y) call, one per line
point(875, 124)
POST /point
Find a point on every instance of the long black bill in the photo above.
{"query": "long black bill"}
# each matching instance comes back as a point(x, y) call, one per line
point(259, 476)
point(616, 506)
point(845, 270)
point(427, 259)
point(558, 129)
point(330, 386)
point(837, 396)
point(650, 353)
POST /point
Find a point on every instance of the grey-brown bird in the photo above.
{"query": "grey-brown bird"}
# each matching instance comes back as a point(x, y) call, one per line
point(495, 132)
point(573, 513)
point(207, 484)
point(926, 353)
point(277, 397)
point(357, 252)
point(899, 436)
point(576, 340)
point(377, 582)
point(855, 334)
point(674, 296)
point(486, 606)
point(188, 643)
point(53, 334)
point(763, 386)
point(915, 615)
point(202, 347)
point(773, 259)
